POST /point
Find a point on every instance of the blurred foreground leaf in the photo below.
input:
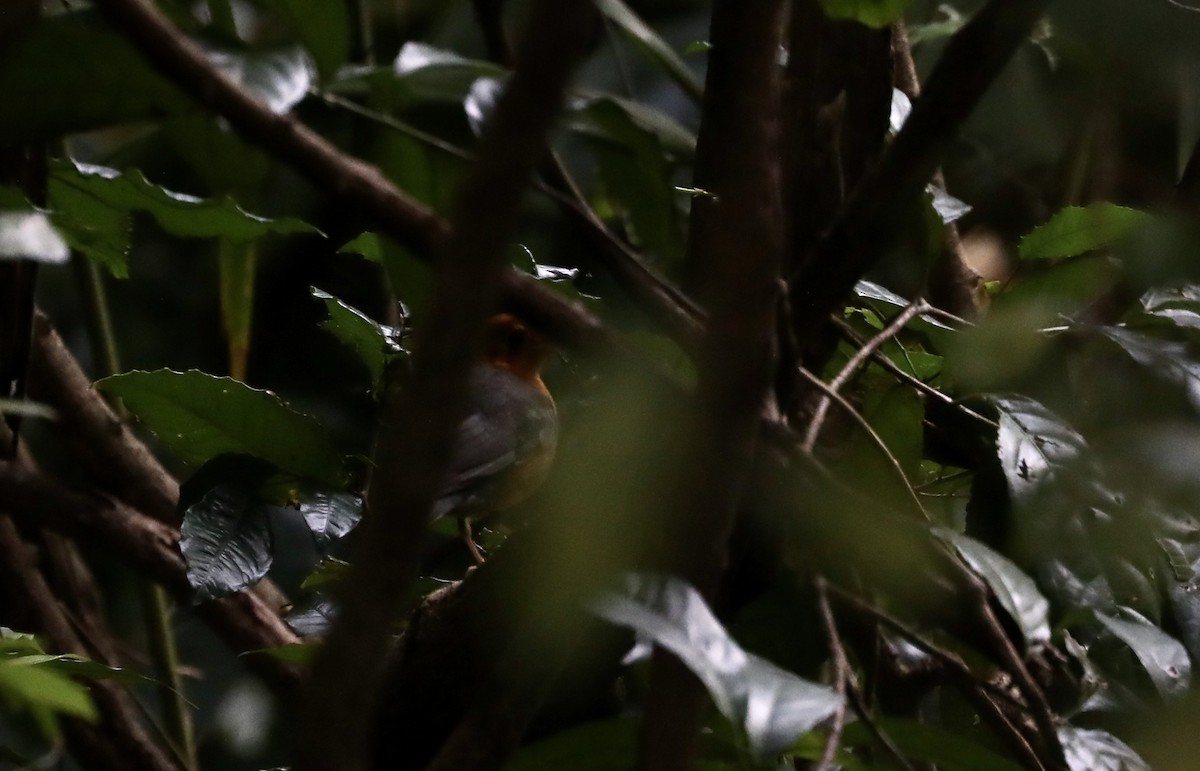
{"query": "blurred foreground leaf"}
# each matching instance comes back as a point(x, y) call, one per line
point(771, 705)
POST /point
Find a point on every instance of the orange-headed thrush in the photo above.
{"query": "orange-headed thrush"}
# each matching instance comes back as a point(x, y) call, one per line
point(506, 441)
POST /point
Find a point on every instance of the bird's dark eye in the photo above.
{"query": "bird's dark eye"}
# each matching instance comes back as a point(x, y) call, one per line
point(514, 340)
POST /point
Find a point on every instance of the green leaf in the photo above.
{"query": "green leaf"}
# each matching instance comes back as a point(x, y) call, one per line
point(1015, 590)
point(411, 279)
point(1173, 360)
point(1079, 229)
point(37, 687)
point(226, 540)
point(678, 142)
point(873, 13)
point(29, 235)
point(322, 27)
point(200, 416)
point(1089, 749)
point(653, 46)
point(1163, 657)
point(92, 206)
point(373, 343)
point(604, 745)
point(771, 705)
point(103, 81)
point(301, 653)
point(932, 744)
point(637, 180)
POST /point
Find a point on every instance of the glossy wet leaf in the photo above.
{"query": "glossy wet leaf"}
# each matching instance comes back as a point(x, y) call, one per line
point(1163, 657)
point(1179, 305)
point(314, 619)
point(1016, 591)
point(1171, 359)
point(226, 541)
point(93, 204)
point(1079, 229)
point(330, 515)
point(771, 705)
point(200, 416)
point(1033, 444)
point(1089, 749)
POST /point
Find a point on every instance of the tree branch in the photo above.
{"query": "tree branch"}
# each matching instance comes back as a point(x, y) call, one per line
point(735, 250)
point(351, 180)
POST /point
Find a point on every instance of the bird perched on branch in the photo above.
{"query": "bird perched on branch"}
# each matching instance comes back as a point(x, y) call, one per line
point(506, 442)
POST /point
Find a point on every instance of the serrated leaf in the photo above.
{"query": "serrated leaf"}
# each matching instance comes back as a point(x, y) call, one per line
point(771, 705)
point(653, 46)
point(874, 13)
point(200, 416)
point(92, 205)
point(1089, 749)
point(330, 516)
point(227, 542)
point(1163, 657)
point(29, 235)
point(371, 342)
point(1078, 229)
point(1015, 590)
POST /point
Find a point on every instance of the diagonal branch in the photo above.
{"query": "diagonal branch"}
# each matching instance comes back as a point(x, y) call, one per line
point(354, 181)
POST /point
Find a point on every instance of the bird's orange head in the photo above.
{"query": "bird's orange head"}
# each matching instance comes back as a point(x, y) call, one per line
point(511, 345)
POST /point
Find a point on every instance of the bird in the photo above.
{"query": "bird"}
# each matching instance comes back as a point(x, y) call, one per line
point(506, 442)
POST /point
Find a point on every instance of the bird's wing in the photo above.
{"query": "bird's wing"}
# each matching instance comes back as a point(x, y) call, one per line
point(509, 421)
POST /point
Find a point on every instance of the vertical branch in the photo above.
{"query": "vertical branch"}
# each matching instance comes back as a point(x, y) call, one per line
point(416, 432)
point(735, 253)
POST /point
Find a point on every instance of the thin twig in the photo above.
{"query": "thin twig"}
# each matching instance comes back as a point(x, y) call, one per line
point(841, 669)
point(854, 691)
point(920, 385)
point(852, 366)
point(854, 414)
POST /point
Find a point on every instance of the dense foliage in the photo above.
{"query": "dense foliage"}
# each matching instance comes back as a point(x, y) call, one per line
point(878, 377)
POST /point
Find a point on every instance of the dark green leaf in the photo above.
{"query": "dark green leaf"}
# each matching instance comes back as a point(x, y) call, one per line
point(411, 279)
point(103, 80)
point(1015, 590)
point(372, 342)
point(771, 705)
point(600, 746)
point(1164, 657)
point(932, 744)
point(1079, 229)
point(873, 13)
point(92, 205)
point(1093, 750)
point(1178, 305)
point(328, 571)
point(1034, 445)
point(293, 653)
point(226, 540)
point(28, 235)
point(200, 416)
point(678, 142)
point(322, 27)
point(637, 181)
point(654, 46)
point(330, 516)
